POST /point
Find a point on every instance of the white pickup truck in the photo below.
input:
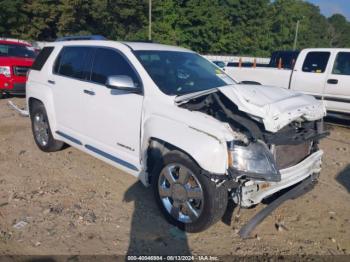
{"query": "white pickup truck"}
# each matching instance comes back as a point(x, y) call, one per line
point(323, 73)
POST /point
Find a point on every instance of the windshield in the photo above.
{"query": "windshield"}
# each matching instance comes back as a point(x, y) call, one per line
point(178, 73)
point(16, 51)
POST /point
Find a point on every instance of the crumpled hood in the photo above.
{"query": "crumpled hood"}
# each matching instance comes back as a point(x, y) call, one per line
point(277, 107)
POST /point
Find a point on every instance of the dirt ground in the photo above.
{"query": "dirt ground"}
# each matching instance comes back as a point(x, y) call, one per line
point(70, 203)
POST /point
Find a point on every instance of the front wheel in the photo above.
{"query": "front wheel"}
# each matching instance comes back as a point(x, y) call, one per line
point(187, 198)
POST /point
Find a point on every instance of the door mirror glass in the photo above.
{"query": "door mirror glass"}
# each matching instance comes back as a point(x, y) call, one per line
point(121, 82)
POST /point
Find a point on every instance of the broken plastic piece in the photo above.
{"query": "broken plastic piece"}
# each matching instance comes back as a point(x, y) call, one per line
point(22, 112)
point(295, 192)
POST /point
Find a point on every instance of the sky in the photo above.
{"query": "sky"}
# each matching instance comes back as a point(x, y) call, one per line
point(330, 7)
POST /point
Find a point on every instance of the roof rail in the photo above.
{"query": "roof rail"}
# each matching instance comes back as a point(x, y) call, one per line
point(81, 37)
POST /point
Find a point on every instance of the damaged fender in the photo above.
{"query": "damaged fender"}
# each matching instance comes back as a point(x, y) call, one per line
point(209, 152)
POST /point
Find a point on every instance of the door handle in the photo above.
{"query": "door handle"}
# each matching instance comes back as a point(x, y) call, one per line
point(332, 81)
point(51, 82)
point(91, 93)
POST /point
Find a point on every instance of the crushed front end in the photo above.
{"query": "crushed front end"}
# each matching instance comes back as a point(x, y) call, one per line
point(264, 162)
point(292, 154)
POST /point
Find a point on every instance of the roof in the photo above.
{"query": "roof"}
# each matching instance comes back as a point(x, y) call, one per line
point(13, 43)
point(136, 46)
point(327, 49)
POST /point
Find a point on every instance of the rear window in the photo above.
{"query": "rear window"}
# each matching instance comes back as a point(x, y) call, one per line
point(316, 62)
point(342, 64)
point(74, 62)
point(42, 58)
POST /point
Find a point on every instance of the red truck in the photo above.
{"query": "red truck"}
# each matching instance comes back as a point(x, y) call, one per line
point(15, 60)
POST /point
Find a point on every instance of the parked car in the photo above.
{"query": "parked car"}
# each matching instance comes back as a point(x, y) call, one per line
point(15, 60)
point(246, 64)
point(174, 120)
point(321, 72)
point(220, 64)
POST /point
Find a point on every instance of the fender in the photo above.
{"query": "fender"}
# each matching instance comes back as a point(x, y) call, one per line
point(208, 151)
point(42, 93)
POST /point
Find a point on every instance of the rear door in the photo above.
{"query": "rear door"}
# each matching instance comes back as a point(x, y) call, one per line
point(310, 75)
point(70, 72)
point(337, 89)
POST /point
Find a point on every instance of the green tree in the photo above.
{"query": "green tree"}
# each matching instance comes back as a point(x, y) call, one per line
point(120, 19)
point(42, 18)
point(11, 18)
point(244, 27)
point(313, 25)
point(74, 18)
point(250, 26)
point(166, 16)
point(339, 31)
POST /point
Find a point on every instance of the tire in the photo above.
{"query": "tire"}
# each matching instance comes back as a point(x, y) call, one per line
point(41, 129)
point(207, 211)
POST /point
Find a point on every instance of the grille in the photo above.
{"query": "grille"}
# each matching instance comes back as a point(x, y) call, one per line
point(290, 155)
point(20, 70)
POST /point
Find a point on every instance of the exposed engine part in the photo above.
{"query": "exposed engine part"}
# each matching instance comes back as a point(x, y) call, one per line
point(221, 108)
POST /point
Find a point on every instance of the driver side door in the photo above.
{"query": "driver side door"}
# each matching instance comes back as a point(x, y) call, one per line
point(113, 117)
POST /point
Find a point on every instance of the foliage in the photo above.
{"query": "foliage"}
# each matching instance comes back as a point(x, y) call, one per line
point(246, 27)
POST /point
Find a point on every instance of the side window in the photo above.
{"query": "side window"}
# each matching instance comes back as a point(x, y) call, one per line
point(316, 62)
point(342, 64)
point(42, 58)
point(107, 63)
point(74, 62)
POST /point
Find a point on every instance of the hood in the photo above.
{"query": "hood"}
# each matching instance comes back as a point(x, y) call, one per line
point(15, 61)
point(276, 107)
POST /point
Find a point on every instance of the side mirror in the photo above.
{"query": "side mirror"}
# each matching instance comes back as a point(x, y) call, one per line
point(122, 82)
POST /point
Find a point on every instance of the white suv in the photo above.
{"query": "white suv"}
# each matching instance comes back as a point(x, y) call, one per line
point(177, 122)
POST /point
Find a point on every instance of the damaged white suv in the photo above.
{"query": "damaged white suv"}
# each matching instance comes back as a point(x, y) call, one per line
point(177, 122)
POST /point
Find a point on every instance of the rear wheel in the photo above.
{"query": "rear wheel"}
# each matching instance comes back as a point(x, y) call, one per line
point(41, 129)
point(187, 198)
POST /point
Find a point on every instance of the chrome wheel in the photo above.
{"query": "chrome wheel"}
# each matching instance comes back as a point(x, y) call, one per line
point(181, 193)
point(41, 129)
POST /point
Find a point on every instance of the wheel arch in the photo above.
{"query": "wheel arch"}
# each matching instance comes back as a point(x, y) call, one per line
point(162, 136)
point(44, 97)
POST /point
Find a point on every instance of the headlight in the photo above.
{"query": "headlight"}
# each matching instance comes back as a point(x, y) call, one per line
point(5, 70)
point(254, 160)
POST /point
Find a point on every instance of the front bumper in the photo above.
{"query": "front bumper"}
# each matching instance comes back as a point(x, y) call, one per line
point(17, 89)
point(253, 192)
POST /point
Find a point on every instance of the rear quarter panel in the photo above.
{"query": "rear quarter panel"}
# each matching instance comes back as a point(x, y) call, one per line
point(38, 88)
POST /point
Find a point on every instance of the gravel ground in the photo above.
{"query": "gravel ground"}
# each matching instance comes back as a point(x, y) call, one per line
point(70, 203)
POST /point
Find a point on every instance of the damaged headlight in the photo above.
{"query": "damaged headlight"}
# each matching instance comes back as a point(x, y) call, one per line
point(254, 161)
